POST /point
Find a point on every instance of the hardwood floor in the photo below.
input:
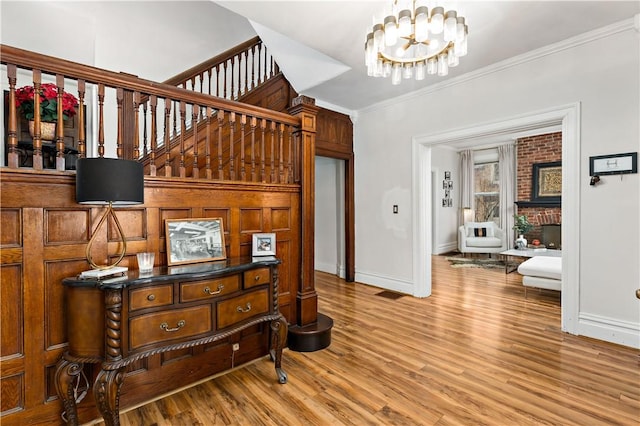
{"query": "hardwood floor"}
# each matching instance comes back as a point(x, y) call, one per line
point(474, 353)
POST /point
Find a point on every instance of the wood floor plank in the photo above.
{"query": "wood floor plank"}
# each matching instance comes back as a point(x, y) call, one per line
point(476, 352)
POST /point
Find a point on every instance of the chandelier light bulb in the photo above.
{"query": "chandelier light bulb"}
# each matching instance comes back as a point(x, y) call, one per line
point(443, 65)
point(407, 71)
point(390, 31)
point(404, 23)
point(432, 66)
point(459, 29)
point(450, 24)
point(396, 74)
point(437, 20)
point(420, 71)
point(421, 26)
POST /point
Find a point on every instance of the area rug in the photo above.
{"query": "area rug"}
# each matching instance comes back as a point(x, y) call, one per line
point(474, 262)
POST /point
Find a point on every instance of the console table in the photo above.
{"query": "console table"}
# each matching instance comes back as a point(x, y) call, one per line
point(120, 320)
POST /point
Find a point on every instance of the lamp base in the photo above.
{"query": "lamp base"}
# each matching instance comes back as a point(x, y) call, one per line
point(101, 273)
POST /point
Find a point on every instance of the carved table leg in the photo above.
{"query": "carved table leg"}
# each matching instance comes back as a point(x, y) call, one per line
point(106, 391)
point(278, 340)
point(66, 373)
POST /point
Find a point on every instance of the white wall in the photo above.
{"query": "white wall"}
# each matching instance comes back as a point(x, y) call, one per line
point(607, 87)
point(445, 219)
point(329, 223)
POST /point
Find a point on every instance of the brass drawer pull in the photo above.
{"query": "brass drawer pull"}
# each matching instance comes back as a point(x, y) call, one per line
point(257, 277)
point(151, 297)
point(244, 310)
point(213, 293)
point(166, 328)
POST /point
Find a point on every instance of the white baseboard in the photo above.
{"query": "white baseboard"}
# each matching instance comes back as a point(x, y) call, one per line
point(446, 247)
point(330, 268)
point(386, 283)
point(624, 333)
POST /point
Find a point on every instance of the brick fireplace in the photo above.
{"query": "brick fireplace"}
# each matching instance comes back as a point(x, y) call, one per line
point(546, 218)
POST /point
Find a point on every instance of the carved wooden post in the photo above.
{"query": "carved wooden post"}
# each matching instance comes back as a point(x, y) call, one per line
point(12, 138)
point(307, 298)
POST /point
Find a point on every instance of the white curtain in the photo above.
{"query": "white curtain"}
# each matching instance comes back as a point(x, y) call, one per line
point(506, 170)
point(466, 182)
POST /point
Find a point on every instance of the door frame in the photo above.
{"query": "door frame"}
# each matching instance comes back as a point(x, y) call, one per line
point(568, 117)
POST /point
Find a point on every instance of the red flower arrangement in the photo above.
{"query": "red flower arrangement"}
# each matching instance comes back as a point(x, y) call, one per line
point(48, 102)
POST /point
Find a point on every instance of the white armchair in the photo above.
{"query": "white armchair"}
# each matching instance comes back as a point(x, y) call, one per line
point(481, 237)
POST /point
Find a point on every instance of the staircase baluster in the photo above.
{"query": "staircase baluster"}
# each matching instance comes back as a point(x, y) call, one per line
point(153, 103)
point(253, 66)
point(259, 63)
point(209, 81)
point(81, 120)
point(232, 93)
point(281, 153)
point(175, 113)
point(195, 113)
point(232, 126)
point(183, 128)
point(119, 98)
point(272, 131)
point(253, 148)
point(220, 123)
point(13, 158)
point(167, 139)
point(243, 122)
point(101, 120)
point(246, 72)
point(225, 80)
point(60, 163)
point(290, 155)
point(218, 80)
point(263, 127)
point(207, 146)
point(136, 125)
point(37, 140)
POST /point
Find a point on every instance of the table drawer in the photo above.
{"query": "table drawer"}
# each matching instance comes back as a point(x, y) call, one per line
point(206, 289)
point(150, 297)
point(257, 277)
point(240, 308)
point(169, 325)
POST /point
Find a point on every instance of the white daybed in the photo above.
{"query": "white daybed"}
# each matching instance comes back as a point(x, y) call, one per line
point(541, 272)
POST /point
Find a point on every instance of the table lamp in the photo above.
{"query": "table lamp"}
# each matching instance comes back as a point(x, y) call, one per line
point(109, 182)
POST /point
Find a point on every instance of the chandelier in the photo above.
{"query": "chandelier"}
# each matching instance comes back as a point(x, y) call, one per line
point(409, 41)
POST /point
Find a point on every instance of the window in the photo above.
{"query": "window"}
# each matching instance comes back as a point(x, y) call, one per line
point(487, 192)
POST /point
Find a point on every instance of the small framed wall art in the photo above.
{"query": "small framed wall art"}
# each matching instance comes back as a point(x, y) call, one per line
point(264, 244)
point(614, 164)
point(194, 240)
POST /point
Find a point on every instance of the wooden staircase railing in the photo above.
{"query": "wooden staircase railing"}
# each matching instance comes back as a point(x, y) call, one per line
point(216, 138)
point(231, 74)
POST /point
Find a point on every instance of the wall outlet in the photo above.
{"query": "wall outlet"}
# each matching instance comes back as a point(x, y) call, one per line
point(235, 347)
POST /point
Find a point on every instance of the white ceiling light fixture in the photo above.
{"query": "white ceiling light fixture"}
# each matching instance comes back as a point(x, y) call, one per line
point(415, 40)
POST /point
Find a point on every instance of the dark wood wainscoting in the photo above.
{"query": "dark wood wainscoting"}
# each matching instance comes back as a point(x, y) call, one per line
point(43, 238)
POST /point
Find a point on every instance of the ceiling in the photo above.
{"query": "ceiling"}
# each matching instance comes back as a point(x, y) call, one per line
point(319, 45)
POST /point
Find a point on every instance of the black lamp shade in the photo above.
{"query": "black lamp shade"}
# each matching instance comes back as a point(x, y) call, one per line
point(104, 180)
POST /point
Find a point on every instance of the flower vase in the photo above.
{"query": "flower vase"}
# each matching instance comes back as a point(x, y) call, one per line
point(521, 242)
point(47, 130)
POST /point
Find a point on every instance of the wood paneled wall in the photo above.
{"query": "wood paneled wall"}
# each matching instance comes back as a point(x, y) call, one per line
point(44, 233)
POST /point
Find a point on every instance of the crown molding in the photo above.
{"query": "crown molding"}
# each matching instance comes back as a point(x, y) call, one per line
point(570, 43)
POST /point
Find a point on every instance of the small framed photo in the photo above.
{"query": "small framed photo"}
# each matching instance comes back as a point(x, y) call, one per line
point(194, 240)
point(264, 244)
point(447, 193)
point(445, 184)
point(450, 184)
point(447, 175)
point(445, 203)
point(450, 202)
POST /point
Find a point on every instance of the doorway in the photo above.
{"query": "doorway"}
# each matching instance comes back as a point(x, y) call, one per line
point(568, 119)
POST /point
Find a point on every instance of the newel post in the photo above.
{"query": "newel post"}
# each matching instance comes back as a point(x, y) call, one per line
point(307, 299)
